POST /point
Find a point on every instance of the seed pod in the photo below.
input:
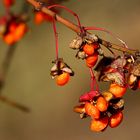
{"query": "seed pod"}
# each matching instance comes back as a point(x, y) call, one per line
point(100, 51)
point(136, 68)
point(83, 115)
point(54, 68)
point(119, 62)
point(90, 38)
point(68, 70)
point(132, 79)
point(76, 43)
point(119, 104)
point(59, 67)
point(116, 77)
point(116, 105)
point(81, 55)
point(54, 74)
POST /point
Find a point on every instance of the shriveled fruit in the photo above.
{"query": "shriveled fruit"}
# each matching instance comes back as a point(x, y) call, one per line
point(99, 124)
point(117, 90)
point(62, 79)
point(115, 119)
point(91, 60)
point(102, 104)
point(88, 49)
point(92, 111)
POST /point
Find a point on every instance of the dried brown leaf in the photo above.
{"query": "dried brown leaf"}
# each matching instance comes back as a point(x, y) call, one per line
point(115, 77)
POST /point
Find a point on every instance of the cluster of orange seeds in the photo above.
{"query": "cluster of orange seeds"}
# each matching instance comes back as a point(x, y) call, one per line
point(15, 31)
point(12, 27)
point(104, 109)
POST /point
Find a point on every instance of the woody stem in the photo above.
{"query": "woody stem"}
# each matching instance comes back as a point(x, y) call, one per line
point(77, 29)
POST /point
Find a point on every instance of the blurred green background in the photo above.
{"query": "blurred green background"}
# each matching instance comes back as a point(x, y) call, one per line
point(29, 81)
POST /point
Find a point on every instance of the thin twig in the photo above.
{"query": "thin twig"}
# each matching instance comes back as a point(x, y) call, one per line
point(77, 29)
point(14, 104)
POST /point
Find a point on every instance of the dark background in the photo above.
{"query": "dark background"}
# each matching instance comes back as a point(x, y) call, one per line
point(29, 81)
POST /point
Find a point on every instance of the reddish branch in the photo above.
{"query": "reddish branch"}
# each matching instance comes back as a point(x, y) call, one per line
point(77, 29)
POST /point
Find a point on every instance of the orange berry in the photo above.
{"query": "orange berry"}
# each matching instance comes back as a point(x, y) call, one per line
point(115, 119)
point(12, 27)
point(62, 79)
point(102, 104)
point(117, 90)
point(92, 111)
point(20, 31)
point(88, 49)
point(99, 124)
point(8, 3)
point(9, 39)
point(39, 17)
point(91, 60)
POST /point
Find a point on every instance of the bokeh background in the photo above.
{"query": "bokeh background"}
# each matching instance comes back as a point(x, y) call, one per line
point(29, 82)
